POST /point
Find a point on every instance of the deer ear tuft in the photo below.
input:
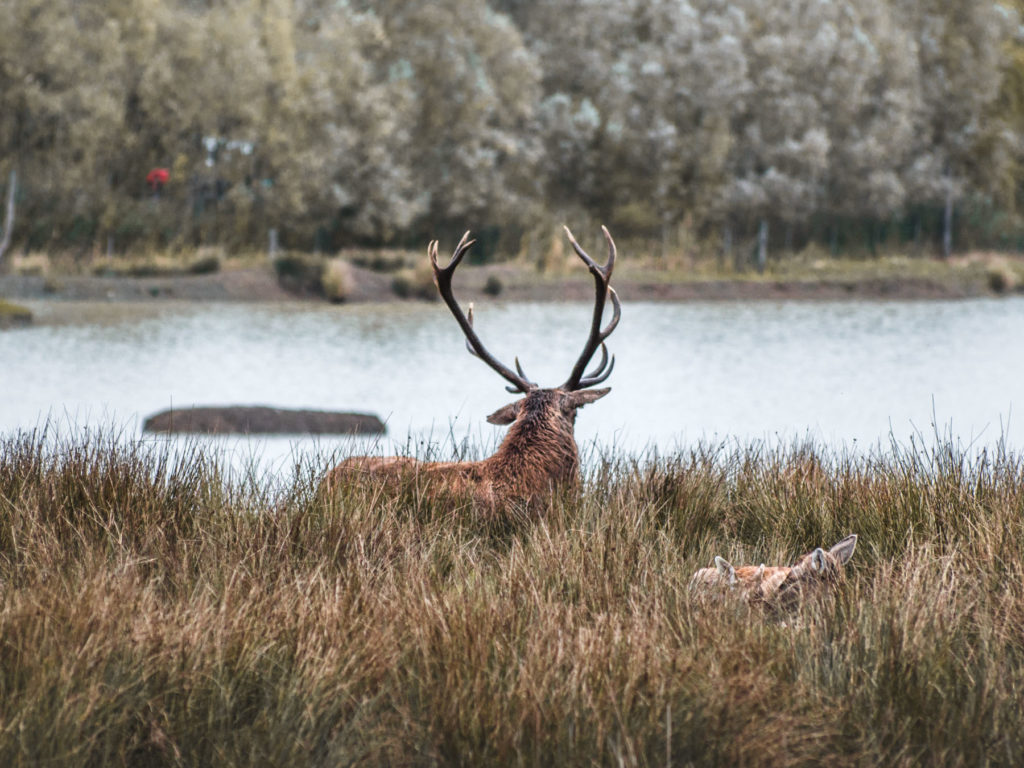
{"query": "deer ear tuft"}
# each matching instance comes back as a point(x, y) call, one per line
point(843, 551)
point(506, 414)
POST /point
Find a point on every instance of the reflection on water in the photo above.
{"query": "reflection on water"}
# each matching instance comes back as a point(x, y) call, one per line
point(843, 374)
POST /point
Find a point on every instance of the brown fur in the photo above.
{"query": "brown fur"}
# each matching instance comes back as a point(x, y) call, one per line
point(538, 454)
point(779, 586)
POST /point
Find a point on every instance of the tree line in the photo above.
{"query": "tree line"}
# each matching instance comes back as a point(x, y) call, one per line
point(689, 123)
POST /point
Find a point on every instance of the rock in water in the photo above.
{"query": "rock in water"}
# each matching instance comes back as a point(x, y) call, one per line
point(252, 420)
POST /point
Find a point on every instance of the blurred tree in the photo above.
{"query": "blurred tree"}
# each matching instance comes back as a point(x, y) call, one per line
point(471, 88)
point(780, 156)
point(868, 81)
point(373, 121)
point(60, 66)
point(958, 44)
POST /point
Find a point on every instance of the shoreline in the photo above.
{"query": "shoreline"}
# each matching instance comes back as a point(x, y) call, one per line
point(517, 283)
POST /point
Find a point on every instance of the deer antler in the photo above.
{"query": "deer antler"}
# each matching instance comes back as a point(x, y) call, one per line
point(443, 280)
point(602, 275)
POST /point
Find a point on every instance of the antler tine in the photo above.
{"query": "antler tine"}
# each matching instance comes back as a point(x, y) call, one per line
point(602, 276)
point(590, 381)
point(600, 366)
point(469, 318)
point(443, 280)
point(460, 250)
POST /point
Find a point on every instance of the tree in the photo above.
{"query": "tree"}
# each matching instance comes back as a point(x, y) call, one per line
point(958, 44)
point(59, 72)
point(472, 91)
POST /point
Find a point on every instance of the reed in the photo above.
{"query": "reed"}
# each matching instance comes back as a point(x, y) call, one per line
point(155, 610)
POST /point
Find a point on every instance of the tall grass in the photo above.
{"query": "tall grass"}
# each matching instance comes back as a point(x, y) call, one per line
point(154, 611)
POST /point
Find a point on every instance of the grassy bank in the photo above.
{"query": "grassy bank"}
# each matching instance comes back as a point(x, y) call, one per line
point(359, 275)
point(153, 613)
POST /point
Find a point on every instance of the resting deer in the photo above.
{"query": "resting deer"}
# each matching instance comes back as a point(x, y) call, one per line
point(539, 452)
point(779, 586)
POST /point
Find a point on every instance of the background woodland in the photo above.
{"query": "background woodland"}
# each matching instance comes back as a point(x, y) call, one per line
point(690, 124)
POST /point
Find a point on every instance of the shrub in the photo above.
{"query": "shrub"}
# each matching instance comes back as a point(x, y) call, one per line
point(206, 261)
point(336, 280)
point(299, 272)
point(12, 315)
point(31, 265)
point(493, 286)
point(416, 283)
point(380, 261)
point(1000, 277)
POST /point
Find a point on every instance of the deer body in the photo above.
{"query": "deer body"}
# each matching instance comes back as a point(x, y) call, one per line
point(778, 585)
point(539, 452)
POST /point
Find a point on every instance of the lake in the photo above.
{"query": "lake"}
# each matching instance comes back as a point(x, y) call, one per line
point(847, 375)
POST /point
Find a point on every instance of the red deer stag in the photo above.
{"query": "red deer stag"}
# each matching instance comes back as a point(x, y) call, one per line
point(539, 451)
point(779, 586)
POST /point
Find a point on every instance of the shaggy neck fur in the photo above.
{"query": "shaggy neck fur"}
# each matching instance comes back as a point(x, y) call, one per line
point(539, 448)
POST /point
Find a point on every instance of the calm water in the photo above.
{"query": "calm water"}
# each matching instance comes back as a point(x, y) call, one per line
point(848, 375)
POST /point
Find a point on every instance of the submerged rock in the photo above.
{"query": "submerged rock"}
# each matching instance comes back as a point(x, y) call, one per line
point(249, 420)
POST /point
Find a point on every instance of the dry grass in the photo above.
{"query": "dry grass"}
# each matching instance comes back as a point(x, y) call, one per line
point(154, 613)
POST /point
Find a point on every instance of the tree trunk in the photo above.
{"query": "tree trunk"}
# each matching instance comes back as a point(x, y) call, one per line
point(272, 245)
point(762, 246)
point(726, 246)
point(5, 243)
point(947, 223)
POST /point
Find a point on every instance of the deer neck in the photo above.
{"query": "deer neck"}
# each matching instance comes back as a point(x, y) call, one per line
point(538, 446)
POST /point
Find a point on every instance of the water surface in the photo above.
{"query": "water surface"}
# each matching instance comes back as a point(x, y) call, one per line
point(843, 374)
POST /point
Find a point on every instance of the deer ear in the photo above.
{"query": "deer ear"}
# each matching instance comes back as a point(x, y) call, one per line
point(843, 551)
point(724, 568)
point(583, 397)
point(506, 415)
point(818, 560)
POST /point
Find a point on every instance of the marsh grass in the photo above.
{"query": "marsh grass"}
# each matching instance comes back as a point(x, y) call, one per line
point(157, 611)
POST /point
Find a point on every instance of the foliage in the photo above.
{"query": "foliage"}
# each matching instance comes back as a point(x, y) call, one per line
point(154, 610)
point(377, 123)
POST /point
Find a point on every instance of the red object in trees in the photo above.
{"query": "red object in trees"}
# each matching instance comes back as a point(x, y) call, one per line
point(157, 178)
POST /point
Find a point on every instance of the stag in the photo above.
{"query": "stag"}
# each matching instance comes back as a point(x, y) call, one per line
point(779, 586)
point(539, 451)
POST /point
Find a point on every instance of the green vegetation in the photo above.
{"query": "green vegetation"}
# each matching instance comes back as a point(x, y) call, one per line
point(698, 124)
point(154, 612)
point(13, 314)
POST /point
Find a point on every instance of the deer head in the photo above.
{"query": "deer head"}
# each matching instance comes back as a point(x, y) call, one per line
point(772, 584)
point(542, 410)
